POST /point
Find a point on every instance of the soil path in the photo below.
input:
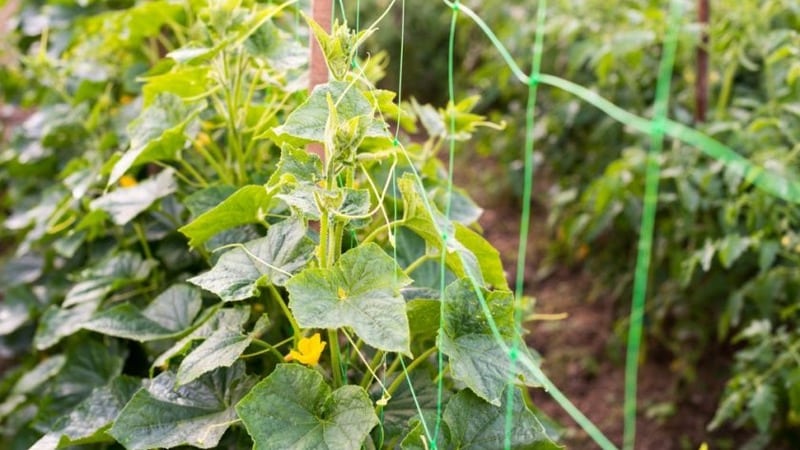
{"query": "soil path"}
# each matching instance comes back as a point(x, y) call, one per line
point(582, 354)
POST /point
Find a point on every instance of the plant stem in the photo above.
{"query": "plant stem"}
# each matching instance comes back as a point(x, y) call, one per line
point(336, 365)
point(410, 368)
point(269, 347)
point(279, 298)
point(373, 364)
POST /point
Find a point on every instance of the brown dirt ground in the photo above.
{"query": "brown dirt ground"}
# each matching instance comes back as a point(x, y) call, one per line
point(581, 354)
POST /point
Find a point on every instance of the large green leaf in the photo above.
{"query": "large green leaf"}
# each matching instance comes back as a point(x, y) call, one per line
point(125, 203)
point(35, 377)
point(89, 420)
point(362, 291)
point(169, 314)
point(249, 204)
point(90, 364)
point(296, 166)
point(57, 323)
point(196, 414)
point(205, 326)
point(471, 423)
point(112, 273)
point(476, 358)
point(16, 308)
point(307, 122)
point(157, 135)
point(221, 349)
point(295, 408)
point(185, 81)
point(271, 259)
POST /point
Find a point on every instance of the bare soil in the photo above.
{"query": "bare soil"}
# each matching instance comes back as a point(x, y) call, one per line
point(581, 353)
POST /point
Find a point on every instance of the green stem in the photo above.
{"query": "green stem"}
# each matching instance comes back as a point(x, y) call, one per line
point(410, 368)
point(374, 234)
point(137, 227)
point(418, 262)
point(373, 364)
point(269, 348)
point(725, 91)
point(296, 330)
point(336, 365)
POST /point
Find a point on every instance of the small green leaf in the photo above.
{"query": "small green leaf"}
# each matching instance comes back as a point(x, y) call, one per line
point(731, 248)
point(226, 318)
point(762, 406)
point(307, 122)
point(221, 349)
point(168, 315)
point(296, 166)
point(271, 259)
point(185, 82)
point(245, 206)
point(468, 254)
point(157, 135)
point(123, 204)
point(294, 408)
point(112, 273)
point(476, 358)
point(362, 291)
point(196, 414)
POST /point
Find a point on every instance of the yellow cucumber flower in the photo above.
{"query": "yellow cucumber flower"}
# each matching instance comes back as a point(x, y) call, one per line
point(127, 181)
point(309, 349)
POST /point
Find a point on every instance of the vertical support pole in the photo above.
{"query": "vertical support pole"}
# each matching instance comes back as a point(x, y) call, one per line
point(318, 70)
point(701, 81)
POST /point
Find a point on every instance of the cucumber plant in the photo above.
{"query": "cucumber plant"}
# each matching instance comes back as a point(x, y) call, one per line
point(182, 272)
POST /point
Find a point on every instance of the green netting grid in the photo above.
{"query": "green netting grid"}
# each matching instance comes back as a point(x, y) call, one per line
point(658, 128)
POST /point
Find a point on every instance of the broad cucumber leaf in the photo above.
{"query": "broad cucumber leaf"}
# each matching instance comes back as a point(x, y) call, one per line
point(296, 166)
point(16, 308)
point(362, 291)
point(402, 407)
point(88, 421)
point(295, 408)
point(125, 203)
point(476, 358)
point(115, 272)
point(471, 423)
point(246, 206)
point(168, 315)
point(271, 259)
point(57, 323)
point(221, 349)
point(226, 318)
point(307, 122)
point(186, 82)
point(196, 414)
point(90, 364)
point(157, 134)
point(205, 199)
point(35, 377)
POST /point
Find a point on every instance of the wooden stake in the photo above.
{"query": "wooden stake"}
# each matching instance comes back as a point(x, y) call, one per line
point(701, 82)
point(318, 70)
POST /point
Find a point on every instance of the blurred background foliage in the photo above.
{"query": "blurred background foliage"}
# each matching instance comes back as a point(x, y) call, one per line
point(724, 275)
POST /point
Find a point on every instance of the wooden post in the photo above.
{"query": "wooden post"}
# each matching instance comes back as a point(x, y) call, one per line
point(318, 70)
point(701, 81)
